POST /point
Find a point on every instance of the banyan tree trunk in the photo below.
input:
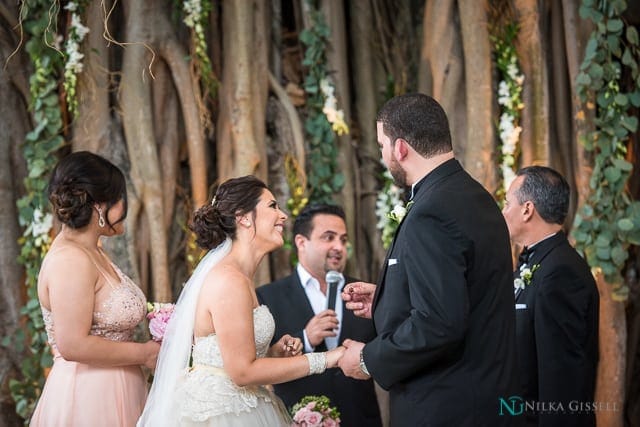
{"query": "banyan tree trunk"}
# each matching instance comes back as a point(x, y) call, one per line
point(533, 59)
point(370, 169)
point(610, 381)
point(479, 147)
point(243, 96)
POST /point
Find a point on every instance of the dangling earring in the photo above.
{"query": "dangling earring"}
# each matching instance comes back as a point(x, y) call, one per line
point(101, 222)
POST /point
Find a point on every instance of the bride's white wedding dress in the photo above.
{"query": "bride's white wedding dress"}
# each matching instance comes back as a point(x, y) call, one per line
point(208, 397)
point(198, 392)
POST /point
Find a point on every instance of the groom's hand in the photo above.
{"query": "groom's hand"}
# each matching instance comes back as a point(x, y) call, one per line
point(350, 361)
point(358, 297)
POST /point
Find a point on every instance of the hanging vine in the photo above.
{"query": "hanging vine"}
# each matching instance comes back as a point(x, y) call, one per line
point(324, 120)
point(38, 18)
point(609, 84)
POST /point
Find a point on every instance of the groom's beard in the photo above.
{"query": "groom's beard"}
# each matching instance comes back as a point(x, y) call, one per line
point(399, 175)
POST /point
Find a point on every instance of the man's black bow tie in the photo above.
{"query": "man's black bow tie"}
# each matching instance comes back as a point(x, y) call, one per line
point(523, 258)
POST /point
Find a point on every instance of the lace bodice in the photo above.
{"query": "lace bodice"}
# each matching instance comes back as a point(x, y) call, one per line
point(206, 350)
point(118, 309)
point(207, 391)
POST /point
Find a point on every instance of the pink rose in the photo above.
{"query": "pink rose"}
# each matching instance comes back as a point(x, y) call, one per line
point(300, 416)
point(313, 419)
point(330, 422)
point(157, 327)
point(158, 320)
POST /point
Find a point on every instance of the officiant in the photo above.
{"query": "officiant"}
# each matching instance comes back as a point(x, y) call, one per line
point(307, 304)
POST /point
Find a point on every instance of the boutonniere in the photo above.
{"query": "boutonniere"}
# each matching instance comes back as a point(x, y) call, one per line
point(399, 212)
point(526, 276)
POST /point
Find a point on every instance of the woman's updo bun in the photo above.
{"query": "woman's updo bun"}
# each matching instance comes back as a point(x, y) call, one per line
point(216, 221)
point(81, 180)
point(71, 206)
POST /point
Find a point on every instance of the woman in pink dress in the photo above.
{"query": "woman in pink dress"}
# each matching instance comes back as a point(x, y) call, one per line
point(90, 308)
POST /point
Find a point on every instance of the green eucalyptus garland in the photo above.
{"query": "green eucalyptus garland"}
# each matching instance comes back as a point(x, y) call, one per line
point(609, 84)
point(39, 148)
point(323, 178)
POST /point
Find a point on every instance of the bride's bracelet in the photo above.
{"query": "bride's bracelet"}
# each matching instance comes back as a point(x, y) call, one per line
point(317, 362)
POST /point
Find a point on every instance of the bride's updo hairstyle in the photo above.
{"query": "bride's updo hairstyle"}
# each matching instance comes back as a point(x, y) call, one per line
point(81, 180)
point(216, 221)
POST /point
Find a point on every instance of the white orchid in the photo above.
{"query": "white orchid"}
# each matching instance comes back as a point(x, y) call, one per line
point(525, 277)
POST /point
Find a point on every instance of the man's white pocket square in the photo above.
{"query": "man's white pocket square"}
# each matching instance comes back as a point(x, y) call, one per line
point(521, 306)
point(393, 261)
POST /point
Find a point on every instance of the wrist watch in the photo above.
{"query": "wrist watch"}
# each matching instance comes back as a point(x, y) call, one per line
point(363, 367)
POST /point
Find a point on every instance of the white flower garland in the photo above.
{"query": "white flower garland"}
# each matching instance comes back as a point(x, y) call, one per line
point(510, 101)
point(193, 12)
point(73, 65)
point(330, 109)
point(39, 228)
point(389, 204)
point(508, 127)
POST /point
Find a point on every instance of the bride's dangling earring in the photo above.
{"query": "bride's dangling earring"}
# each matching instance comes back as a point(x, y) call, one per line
point(101, 222)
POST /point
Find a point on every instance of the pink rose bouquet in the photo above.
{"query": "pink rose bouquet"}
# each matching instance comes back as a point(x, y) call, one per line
point(314, 411)
point(158, 315)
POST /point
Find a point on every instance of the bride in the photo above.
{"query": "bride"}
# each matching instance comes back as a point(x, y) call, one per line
point(220, 325)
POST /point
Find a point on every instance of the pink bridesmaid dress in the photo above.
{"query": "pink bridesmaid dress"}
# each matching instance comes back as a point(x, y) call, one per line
point(77, 394)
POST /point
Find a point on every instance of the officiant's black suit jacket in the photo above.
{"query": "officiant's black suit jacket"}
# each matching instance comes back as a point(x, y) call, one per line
point(355, 399)
point(443, 309)
point(557, 334)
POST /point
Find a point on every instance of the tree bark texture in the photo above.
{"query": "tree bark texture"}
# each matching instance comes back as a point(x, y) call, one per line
point(480, 141)
point(610, 380)
point(442, 68)
point(533, 59)
point(243, 96)
point(15, 123)
point(367, 178)
point(137, 114)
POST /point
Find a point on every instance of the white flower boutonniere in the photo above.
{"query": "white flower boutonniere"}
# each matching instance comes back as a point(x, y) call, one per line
point(399, 212)
point(525, 277)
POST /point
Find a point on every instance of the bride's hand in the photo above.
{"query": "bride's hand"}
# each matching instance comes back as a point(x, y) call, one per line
point(286, 346)
point(334, 355)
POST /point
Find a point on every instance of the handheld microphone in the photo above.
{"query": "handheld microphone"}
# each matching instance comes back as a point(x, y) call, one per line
point(333, 279)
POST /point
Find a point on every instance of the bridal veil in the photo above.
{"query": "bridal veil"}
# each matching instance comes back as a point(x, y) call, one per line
point(175, 351)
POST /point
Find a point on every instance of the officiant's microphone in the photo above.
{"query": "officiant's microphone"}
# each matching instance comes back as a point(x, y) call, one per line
point(333, 279)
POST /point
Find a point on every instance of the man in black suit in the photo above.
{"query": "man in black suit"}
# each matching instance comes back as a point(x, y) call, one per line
point(443, 307)
point(556, 303)
point(299, 306)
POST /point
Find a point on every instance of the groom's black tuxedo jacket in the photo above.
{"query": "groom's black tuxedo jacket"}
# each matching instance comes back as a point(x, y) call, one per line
point(443, 309)
point(355, 399)
point(557, 334)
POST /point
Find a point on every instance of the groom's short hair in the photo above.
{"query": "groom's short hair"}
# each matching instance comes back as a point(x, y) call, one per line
point(418, 119)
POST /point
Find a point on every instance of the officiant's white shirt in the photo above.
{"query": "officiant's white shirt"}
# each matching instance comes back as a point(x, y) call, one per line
point(318, 302)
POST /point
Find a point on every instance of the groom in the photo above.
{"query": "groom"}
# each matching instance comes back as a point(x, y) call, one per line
point(443, 308)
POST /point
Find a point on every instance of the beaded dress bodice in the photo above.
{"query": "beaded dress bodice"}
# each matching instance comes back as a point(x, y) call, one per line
point(118, 309)
point(206, 350)
point(207, 391)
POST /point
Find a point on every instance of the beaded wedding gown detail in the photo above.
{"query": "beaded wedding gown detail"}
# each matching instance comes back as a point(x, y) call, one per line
point(207, 392)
